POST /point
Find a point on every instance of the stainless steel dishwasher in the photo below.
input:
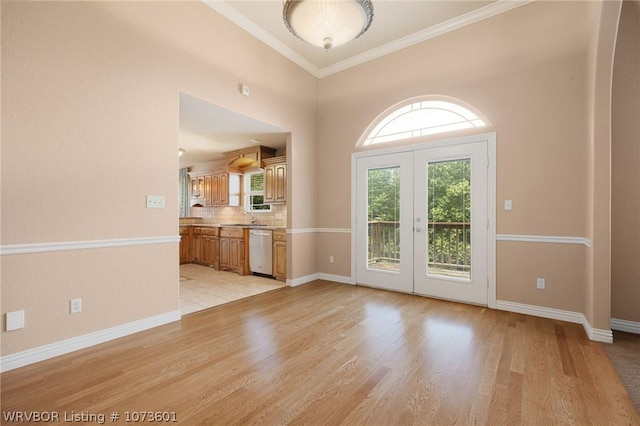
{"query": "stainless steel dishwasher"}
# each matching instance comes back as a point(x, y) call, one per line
point(260, 251)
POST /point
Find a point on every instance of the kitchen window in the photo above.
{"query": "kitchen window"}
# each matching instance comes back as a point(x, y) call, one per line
point(254, 193)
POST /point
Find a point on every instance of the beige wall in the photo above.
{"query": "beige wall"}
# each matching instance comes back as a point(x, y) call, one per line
point(90, 126)
point(527, 70)
point(625, 205)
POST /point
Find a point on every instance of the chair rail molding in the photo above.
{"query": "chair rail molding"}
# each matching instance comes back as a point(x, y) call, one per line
point(544, 239)
point(12, 249)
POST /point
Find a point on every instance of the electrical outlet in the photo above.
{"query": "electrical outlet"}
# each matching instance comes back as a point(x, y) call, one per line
point(330, 259)
point(15, 320)
point(540, 283)
point(75, 306)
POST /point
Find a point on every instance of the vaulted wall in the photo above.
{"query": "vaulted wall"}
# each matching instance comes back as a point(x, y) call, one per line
point(531, 71)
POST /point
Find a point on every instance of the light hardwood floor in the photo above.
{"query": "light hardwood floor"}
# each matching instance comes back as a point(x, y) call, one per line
point(327, 353)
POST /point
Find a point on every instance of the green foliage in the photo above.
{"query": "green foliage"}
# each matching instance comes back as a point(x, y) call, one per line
point(449, 191)
point(449, 200)
point(449, 188)
point(384, 194)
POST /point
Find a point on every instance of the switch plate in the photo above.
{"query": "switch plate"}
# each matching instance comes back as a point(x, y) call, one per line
point(540, 284)
point(330, 259)
point(75, 306)
point(15, 320)
point(155, 201)
point(508, 204)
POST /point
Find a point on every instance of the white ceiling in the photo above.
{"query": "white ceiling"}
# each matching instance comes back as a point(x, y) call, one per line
point(207, 130)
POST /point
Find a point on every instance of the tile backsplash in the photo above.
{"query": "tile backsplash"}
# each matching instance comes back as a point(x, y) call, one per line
point(276, 217)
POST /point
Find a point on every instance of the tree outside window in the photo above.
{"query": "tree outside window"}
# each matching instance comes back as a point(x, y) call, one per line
point(254, 193)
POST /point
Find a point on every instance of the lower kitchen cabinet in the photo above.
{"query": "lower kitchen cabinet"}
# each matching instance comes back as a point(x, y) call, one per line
point(185, 245)
point(234, 250)
point(280, 254)
point(203, 245)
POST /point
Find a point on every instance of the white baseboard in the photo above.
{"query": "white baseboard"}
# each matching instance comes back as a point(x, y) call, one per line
point(624, 325)
point(595, 334)
point(302, 280)
point(41, 353)
point(320, 276)
point(336, 278)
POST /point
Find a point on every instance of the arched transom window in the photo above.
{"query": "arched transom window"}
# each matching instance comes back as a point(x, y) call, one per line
point(423, 118)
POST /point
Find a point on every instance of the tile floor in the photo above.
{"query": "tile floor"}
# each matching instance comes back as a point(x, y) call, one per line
point(202, 287)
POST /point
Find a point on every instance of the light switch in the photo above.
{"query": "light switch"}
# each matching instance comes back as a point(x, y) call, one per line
point(15, 320)
point(155, 201)
point(508, 204)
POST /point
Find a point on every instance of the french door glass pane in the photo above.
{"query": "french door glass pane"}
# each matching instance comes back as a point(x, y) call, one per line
point(383, 219)
point(449, 218)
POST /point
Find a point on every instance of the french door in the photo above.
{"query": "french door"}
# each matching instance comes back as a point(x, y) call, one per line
point(422, 221)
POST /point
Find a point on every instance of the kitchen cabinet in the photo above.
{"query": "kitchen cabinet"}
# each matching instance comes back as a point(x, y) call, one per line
point(275, 180)
point(234, 250)
point(196, 245)
point(216, 188)
point(204, 245)
point(197, 186)
point(280, 254)
point(208, 249)
point(185, 244)
point(207, 190)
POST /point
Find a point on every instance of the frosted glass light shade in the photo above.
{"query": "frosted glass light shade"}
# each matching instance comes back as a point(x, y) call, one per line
point(327, 23)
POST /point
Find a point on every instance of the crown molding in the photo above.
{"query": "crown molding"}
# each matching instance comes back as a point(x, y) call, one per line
point(223, 8)
point(245, 23)
point(453, 24)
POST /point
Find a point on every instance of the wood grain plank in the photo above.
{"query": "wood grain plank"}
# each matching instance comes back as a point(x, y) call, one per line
point(327, 353)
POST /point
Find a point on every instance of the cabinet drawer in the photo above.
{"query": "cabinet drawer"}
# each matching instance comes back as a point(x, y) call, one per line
point(209, 231)
point(279, 235)
point(231, 232)
point(198, 230)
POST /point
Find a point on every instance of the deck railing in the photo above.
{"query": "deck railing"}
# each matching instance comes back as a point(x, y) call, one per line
point(449, 244)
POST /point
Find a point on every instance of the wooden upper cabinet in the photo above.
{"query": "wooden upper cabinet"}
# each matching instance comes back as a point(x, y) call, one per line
point(214, 188)
point(197, 186)
point(207, 190)
point(275, 180)
point(223, 188)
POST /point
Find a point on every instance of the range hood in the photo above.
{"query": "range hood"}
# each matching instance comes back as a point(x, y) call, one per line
point(248, 159)
point(245, 164)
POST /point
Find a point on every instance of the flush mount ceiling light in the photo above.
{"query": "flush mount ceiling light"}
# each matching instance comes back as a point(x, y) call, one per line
point(327, 23)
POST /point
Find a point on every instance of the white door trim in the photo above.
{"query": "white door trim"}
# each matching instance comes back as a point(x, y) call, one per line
point(490, 139)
